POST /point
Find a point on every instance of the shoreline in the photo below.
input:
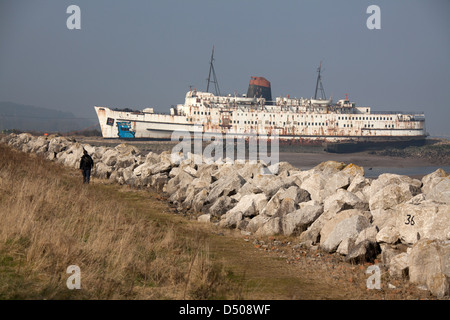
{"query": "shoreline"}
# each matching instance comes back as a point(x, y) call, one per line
point(363, 159)
point(306, 158)
point(374, 162)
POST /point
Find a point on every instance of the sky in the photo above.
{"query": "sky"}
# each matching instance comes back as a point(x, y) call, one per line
point(142, 53)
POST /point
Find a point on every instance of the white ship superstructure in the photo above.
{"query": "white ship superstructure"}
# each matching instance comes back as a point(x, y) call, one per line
point(301, 120)
point(290, 118)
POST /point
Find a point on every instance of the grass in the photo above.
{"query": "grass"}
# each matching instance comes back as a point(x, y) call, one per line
point(125, 248)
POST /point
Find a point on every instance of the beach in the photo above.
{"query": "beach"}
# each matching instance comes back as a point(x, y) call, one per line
point(305, 158)
point(362, 159)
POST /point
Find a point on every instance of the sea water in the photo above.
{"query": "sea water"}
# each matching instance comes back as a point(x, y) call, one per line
point(406, 171)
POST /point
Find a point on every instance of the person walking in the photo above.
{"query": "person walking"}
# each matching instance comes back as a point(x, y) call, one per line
point(86, 164)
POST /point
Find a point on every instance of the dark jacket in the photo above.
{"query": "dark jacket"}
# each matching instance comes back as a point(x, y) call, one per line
point(86, 162)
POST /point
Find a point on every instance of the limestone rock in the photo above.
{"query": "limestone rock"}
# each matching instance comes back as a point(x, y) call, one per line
point(368, 234)
point(189, 170)
point(127, 149)
point(124, 161)
point(271, 227)
point(282, 203)
point(58, 144)
point(338, 180)
point(152, 158)
point(230, 219)
point(299, 220)
point(225, 186)
point(391, 195)
point(391, 178)
point(383, 217)
point(166, 156)
point(364, 251)
point(177, 186)
point(143, 170)
point(128, 176)
point(302, 196)
point(282, 168)
point(249, 170)
point(204, 171)
point(97, 153)
point(249, 205)
point(388, 234)
point(426, 219)
point(199, 200)
point(398, 266)
point(345, 246)
point(343, 200)
point(439, 190)
point(315, 184)
point(328, 167)
point(250, 187)
point(257, 222)
point(222, 205)
point(102, 170)
point(353, 170)
point(269, 184)
point(204, 218)
point(224, 171)
point(429, 265)
point(158, 181)
point(312, 234)
point(389, 251)
point(181, 181)
point(110, 157)
point(39, 145)
point(193, 188)
point(345, 225)
point(71, 156)
point(358, 184)
point(163, 166)
point(431, 180)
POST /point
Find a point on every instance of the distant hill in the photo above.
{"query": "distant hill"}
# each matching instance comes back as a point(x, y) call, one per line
point(31, 118)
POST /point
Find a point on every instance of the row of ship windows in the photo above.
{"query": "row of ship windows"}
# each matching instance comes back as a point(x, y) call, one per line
point(339, 118)
point(369, 126)
point(205, 113)
point(252, 114)
point(306, 123)
point(365, 118)
point(272, 123)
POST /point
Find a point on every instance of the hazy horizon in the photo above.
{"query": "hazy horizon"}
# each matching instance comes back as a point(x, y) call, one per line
point(139, 54)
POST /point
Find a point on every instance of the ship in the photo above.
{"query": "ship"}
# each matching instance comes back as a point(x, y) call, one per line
point(317, 121)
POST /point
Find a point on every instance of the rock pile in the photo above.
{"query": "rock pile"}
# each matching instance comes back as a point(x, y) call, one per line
point(404, 222)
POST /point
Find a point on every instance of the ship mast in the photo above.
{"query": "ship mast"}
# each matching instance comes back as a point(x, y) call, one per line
point(214, 80)
point(319, 85)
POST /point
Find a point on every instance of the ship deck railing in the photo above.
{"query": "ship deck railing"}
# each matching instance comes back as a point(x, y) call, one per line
point(413, 113)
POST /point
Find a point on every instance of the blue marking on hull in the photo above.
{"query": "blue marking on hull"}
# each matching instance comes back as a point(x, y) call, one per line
point(124, 129)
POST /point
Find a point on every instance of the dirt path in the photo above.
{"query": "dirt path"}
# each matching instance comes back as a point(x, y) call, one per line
point(278, 269)
point(275, 268)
